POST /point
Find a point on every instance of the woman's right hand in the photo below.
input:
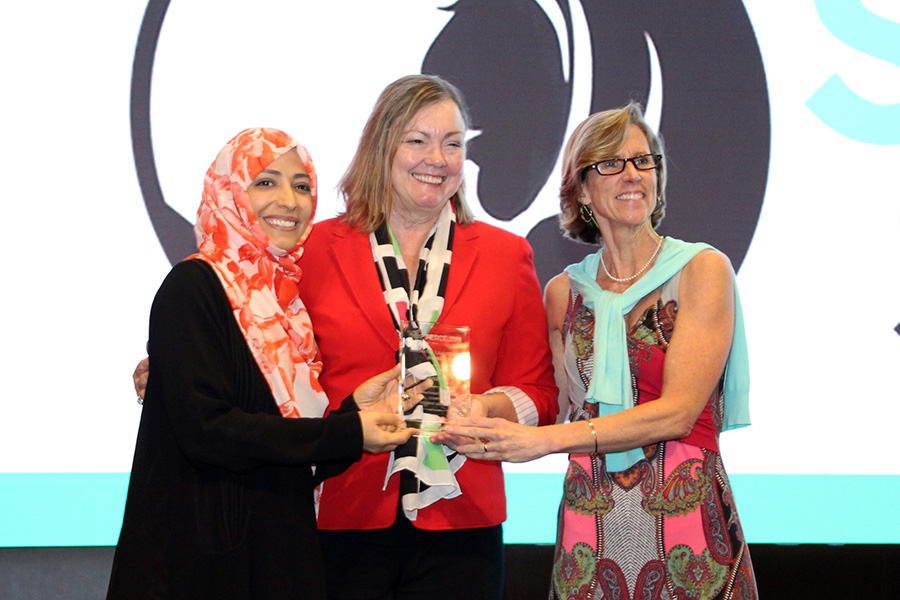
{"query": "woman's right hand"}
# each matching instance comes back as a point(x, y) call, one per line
point(381, 431)
point(379, 394)
point(141, 372)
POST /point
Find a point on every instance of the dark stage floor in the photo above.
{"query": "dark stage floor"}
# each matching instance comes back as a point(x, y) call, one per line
point(802, 572)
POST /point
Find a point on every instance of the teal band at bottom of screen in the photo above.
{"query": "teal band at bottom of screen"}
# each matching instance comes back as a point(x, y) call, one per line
point(85, 509)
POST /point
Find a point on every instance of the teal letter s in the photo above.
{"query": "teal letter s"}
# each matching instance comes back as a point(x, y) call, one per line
point(835, 103)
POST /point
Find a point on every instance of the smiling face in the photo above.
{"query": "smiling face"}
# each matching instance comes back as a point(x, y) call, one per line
point(627, 198)
point(281, 199)
point(427, 168)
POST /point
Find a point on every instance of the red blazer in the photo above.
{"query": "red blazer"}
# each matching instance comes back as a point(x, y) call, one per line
point(493, 289)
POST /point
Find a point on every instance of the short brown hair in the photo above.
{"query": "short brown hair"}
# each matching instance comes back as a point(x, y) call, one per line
point(597, 138)
point(366, 185)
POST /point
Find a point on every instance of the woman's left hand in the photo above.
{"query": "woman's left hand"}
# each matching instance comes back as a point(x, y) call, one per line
point(494, 439)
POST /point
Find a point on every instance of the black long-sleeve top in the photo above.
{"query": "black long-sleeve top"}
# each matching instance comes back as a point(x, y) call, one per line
point(220, 502)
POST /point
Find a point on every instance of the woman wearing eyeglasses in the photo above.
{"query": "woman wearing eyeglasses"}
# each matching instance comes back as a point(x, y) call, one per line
point(648, 339)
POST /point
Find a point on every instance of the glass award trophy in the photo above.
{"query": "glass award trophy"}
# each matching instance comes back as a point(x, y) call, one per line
point(434, 363)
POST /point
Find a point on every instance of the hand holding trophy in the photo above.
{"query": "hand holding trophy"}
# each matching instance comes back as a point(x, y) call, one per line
point(434, 362)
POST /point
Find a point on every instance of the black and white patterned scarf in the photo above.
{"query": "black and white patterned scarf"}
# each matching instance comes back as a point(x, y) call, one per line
point(426, 469)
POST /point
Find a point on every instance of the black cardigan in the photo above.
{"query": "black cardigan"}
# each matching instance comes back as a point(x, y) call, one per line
point(220, 502)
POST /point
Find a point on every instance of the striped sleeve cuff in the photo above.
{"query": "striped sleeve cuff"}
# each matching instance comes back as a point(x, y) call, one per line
point(526, 411)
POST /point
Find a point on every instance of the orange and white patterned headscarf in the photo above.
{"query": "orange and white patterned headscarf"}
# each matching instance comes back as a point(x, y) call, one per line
point(259, 278)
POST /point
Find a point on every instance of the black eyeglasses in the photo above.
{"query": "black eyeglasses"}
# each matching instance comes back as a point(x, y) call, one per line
point(614, 166)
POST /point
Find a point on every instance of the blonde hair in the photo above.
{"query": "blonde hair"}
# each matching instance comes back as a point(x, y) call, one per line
point(597, 138)
point(366, 185)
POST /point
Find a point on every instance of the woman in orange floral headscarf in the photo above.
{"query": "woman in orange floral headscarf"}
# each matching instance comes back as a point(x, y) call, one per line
point(220, 502)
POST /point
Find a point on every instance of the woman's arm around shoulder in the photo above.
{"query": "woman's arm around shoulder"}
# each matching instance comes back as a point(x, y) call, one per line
point(556, 304)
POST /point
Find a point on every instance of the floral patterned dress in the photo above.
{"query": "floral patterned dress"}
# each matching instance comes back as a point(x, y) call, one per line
point(667, 527)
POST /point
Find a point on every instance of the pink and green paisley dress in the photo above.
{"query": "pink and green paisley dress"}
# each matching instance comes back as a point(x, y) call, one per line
point(667, 527)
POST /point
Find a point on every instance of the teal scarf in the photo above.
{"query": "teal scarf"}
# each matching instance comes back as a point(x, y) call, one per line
point(610, 386)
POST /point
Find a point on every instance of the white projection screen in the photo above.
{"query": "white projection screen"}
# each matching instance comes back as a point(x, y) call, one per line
point(782, 121)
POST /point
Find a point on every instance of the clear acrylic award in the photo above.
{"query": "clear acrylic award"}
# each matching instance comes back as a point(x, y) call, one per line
point(434, 362)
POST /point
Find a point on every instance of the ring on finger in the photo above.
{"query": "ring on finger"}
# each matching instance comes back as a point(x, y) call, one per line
point(484, 447)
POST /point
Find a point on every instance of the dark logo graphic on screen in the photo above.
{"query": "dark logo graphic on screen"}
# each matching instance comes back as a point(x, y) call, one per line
point(699, 61)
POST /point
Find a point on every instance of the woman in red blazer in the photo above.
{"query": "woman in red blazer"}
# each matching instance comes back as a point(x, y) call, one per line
point(405, 206)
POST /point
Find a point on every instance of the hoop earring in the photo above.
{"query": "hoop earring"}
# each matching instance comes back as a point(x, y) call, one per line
point(586, 214)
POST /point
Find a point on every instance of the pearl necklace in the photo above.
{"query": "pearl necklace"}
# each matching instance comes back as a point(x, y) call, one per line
point(635, 276)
